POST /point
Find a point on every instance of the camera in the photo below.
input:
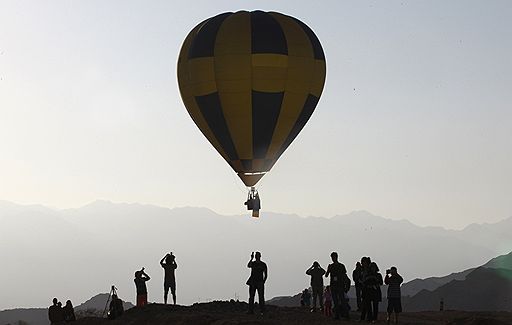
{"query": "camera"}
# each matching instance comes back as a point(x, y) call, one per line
point(388, 271)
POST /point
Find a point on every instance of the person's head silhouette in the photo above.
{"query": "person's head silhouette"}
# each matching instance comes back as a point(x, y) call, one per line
point(55, 301)
point(257, 256)
point(138, 274)
point(374, 268)
point(316, 264)
point(334, 257)
point(169, 259)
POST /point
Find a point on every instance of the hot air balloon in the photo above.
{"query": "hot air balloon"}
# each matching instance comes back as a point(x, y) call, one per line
point(250, 81)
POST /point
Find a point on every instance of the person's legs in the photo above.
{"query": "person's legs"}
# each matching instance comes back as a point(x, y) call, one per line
point(390, 309)
point(166, 293)
point(365, 308)
point(375, 307)
point(173, 293)
point(261, 297)
point(358, 297)
point(142, 299)
point(335, 293)
point(398, 309)
point(252, 292)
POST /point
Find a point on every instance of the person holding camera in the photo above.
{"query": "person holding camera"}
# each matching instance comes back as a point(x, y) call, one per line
point(256, 281)
point(168, 263)
point(394, 280)
point(140, 284)
point(317, 284)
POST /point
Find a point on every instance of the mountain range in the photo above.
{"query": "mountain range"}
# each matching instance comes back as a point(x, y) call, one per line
point(75, 253)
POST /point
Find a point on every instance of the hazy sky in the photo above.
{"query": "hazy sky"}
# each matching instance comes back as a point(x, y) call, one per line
point(415, 120)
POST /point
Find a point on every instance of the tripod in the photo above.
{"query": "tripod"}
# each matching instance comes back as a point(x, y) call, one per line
point(113, 291)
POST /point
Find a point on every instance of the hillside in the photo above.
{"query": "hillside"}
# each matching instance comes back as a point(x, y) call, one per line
point(482, 289)
point(220, 313)
point(431, 283)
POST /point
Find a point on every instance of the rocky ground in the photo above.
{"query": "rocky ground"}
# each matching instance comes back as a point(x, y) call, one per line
point(235, 313)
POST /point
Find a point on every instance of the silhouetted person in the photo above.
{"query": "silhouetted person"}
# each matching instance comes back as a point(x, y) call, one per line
point(305, 298)
point(115, 308)
point(338, 273)
point(394, 280)
point(366, 306)
point(55, 312)
point(373, 295)
point(328, 302)
point(168, 262)
point(358, 283)
point(317, 284)
point(256, 281)
point(69, 312)
point(140, 284)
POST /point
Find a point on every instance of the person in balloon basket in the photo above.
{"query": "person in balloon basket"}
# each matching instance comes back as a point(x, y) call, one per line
point(168, 263)
point(256, 281)
point(140, 284)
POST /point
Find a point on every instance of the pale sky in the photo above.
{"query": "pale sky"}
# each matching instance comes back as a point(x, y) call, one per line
point(415, 120)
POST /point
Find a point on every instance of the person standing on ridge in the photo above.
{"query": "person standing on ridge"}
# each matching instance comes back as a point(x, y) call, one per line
point(69, 312)
point(366, 306)
point(140, 284)
point(256, 281)
point(116, 307)
point(317, 284)
point(168, 262)
point(54, 312)
point(356, 276)
point(338, 273)
point(373, 295)
point(394, 280)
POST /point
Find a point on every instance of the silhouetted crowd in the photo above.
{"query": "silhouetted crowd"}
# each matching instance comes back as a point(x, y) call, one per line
point(58, 314)
point(332, 300)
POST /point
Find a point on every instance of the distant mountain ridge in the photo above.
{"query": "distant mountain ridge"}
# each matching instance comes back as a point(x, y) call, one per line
point(483, 289)
point(103, 243)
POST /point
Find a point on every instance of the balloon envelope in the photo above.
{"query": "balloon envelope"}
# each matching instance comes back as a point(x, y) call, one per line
point(250, 81)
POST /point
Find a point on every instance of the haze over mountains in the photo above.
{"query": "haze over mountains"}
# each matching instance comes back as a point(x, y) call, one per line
point(76, 253)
